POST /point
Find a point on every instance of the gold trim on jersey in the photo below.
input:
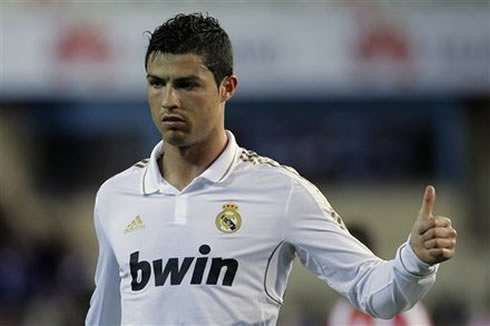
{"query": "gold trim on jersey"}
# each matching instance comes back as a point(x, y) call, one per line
point(338, 219)
point(142, 163)
point(254, 158)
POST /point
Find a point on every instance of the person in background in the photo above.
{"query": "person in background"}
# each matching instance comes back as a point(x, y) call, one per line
point(345, 314)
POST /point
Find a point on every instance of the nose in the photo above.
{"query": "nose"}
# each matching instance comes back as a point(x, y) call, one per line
point(170, 99)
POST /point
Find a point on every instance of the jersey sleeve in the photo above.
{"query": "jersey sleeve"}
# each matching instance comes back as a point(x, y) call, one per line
point(378, 287)
point(105, 303)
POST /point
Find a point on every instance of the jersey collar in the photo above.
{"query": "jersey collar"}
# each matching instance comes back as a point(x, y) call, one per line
point(153, 182)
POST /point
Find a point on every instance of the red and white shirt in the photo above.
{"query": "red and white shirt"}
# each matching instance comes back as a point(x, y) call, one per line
point(344, 314)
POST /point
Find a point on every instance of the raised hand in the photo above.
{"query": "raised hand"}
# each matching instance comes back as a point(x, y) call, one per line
point(433, 239)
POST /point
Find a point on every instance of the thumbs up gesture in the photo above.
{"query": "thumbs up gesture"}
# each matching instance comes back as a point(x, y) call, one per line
point(433, 239)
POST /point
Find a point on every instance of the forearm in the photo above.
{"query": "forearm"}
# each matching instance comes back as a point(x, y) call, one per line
point(393, 286)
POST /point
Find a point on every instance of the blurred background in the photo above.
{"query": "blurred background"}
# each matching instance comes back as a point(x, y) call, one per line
point(371, 100)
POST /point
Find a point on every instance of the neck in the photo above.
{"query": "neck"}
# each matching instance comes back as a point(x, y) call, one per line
point(181, 165)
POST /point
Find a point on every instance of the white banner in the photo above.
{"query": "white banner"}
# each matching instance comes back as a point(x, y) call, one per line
point(279, 51)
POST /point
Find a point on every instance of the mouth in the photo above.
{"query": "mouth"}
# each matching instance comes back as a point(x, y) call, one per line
point(173, 121)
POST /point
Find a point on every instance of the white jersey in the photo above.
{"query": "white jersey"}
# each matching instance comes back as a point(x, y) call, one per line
point(220, 251)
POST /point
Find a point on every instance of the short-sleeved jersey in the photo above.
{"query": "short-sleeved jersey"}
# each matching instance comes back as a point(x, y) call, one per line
point(219, 252)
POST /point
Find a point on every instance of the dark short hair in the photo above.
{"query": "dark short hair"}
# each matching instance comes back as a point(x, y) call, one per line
point(195, 34)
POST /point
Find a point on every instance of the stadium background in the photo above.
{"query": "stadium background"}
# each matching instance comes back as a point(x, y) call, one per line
point(371, 100)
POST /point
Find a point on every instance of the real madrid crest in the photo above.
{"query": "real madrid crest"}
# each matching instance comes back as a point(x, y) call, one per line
point(229, 220)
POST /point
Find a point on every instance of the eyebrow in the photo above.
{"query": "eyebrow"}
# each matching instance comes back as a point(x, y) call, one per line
point(190, 78)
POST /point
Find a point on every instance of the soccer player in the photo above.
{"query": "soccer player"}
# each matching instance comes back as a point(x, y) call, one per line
point(204, 232)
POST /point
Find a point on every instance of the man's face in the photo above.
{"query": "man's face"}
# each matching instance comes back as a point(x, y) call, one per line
point(186, 105)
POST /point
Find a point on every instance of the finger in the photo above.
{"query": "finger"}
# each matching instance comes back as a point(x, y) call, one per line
point(439, 232)
point(448, 253)
point(438, 221)
point(436, 252)
point(428, 202)
point(441, 253)
point(440, 243)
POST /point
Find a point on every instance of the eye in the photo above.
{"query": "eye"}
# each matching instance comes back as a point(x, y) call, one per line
point(186, 85)
point(155, 83)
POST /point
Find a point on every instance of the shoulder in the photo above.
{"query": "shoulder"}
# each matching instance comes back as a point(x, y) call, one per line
point(128, 180)
point(302, 192)
point(256, 163)
point(265, 165)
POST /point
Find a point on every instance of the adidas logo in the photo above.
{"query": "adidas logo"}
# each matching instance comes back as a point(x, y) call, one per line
point(136, 224)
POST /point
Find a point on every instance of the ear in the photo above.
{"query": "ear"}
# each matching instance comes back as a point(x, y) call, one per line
point(228, 87)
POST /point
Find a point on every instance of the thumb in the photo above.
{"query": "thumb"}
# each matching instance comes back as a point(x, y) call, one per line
point(428, 202)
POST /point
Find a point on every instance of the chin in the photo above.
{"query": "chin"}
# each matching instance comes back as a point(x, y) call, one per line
point(176, 138)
